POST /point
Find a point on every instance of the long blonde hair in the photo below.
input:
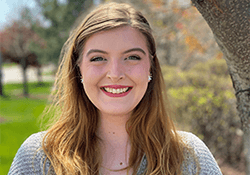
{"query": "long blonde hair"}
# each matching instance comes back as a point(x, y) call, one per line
point(71, 142)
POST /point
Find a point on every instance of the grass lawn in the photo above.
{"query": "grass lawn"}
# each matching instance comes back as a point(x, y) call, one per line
point(19, 118)
point(9, 65)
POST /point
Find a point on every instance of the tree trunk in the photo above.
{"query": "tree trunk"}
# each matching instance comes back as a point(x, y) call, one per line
point(25, 79)
point(230, 22)
point(1, 76)
point(39, 76)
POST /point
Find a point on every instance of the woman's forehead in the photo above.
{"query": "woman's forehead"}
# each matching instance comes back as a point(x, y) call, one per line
point(117, 39)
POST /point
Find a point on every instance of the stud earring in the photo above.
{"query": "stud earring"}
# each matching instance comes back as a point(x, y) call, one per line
point(81, 80)
point(149, 77)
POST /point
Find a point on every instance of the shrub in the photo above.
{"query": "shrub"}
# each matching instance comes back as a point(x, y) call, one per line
point(205, 104)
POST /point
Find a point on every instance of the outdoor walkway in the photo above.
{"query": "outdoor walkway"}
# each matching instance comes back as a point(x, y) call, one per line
point(13, 74)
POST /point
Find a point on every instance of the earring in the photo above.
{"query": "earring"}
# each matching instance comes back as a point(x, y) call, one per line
point(81, 80)
point(150, 77)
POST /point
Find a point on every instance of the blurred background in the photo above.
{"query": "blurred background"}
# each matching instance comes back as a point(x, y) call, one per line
point(200, 92)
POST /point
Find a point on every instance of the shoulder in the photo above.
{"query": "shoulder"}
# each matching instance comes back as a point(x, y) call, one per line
point(30, 157)
point(197, 154)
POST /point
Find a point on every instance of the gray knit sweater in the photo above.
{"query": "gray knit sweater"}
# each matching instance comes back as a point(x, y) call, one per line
point(29, 158)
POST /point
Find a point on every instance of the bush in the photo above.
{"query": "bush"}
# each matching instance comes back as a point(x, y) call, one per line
point(205, 104)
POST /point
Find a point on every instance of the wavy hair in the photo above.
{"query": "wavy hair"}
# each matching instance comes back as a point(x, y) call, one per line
point(71, 143)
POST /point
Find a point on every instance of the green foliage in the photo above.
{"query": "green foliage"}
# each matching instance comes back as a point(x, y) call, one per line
point(60, 17)
point(205, 104)
point(19, 119)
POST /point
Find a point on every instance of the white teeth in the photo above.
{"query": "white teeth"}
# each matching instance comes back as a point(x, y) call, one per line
point(116, 91)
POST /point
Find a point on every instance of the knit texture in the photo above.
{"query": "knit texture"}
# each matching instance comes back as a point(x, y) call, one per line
point(30, 157)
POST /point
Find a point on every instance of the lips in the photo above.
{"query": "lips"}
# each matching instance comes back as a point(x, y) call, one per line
point(116, 90)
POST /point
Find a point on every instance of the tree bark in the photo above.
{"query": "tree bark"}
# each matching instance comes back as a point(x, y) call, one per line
point(25, 79)
point(230, 22)
point(39, 76)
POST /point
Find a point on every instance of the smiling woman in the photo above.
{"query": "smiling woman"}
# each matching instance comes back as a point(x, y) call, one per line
point(118, 68)
point(112, 117)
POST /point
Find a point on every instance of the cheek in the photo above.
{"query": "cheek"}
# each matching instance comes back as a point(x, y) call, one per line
point(90, 74)
point(91, 78)
point(140, 72)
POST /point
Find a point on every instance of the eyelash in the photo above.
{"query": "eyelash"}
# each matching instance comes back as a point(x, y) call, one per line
point(98, 58)
point(134, 56)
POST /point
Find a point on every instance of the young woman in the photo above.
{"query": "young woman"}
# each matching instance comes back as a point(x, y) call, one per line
point(110, 112)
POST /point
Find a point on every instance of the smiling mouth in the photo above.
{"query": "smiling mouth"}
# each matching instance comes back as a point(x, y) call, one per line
point(116, 91)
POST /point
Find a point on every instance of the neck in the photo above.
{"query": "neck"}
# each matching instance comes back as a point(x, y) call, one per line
point(114, 145)
point(112, 129)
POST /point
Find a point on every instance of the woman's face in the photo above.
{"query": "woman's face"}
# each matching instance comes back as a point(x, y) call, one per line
point(115, 69)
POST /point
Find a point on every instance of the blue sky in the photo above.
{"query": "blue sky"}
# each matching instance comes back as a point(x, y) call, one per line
point(9, 9)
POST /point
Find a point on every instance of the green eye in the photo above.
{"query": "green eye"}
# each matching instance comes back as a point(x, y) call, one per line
point(96, 59)
point(133, 58)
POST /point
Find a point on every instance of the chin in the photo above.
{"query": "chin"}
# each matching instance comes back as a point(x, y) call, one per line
point(115, 112)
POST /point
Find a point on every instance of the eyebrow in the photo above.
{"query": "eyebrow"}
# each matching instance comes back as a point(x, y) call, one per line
point(127, 51)
point(96, 50)
point(135, 49)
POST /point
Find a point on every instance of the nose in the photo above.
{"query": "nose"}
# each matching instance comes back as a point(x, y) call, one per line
point(115, 71)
